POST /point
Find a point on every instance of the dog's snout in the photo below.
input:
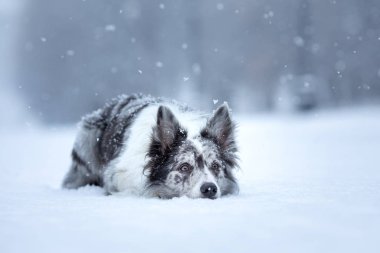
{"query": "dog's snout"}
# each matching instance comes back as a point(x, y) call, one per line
point(209, 190)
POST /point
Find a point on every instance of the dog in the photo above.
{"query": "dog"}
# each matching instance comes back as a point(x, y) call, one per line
point(154, 147)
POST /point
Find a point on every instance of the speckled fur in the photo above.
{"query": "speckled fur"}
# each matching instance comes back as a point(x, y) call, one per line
point(140, 145)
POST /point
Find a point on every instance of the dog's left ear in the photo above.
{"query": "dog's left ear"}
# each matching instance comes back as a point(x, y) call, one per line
point(167, 129)
point(221, 129)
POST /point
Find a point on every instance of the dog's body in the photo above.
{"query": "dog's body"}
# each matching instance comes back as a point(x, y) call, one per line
point(156, 148)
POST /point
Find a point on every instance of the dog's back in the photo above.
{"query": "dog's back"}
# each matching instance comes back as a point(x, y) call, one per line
point(101, 137)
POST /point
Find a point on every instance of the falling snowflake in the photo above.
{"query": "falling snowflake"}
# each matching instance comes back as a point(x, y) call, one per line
point(298, 41)
point(110, 28)
point(70, 52)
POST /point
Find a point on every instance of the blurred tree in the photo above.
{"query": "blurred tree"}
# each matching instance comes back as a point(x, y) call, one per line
point(74, 55)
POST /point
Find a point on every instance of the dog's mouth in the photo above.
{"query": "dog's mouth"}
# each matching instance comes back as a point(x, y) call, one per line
point(212, 198)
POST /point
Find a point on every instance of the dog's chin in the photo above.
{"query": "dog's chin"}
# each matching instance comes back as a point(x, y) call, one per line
point(212, 198)
point(201, 196)
point(192, 196)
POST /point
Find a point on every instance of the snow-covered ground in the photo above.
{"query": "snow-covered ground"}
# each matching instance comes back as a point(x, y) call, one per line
point(309, 183)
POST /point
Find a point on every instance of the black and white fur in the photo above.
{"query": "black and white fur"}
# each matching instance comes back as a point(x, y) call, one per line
point(156, 148)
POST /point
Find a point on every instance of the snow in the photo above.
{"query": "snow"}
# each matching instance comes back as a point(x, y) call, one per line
point(159, 64)
point(70, 52)
point(309, 183)
point(298, 41)
point(270, 14)
point(110, 28)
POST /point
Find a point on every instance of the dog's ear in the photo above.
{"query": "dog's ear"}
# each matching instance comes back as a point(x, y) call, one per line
point(221, 129)
point(167, 128)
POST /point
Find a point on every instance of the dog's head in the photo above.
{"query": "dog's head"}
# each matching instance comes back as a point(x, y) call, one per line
point(200, 166)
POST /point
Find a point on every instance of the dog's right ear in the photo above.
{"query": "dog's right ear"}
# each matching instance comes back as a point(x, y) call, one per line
point(167, 129)
point(221, 129)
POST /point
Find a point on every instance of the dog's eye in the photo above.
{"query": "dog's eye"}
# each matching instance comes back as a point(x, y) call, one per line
point(185, 168)
point(215, 167)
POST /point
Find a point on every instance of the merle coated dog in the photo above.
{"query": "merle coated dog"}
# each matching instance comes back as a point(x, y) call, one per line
point(155, 148)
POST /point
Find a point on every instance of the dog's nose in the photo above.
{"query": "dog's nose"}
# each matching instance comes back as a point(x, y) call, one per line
point(209, 190)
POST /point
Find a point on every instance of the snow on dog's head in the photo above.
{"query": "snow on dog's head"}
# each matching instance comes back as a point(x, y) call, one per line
point(200, 166)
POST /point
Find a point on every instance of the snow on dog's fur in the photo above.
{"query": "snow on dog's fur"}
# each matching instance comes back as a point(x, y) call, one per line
point(156, 148)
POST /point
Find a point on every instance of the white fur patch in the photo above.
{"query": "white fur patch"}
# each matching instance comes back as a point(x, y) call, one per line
point(125, 173)
point(198, 145)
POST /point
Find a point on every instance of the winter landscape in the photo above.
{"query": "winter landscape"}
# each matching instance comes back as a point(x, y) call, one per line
point(308, 184)
point(302, 78)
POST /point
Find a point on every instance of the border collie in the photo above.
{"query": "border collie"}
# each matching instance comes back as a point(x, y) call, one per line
point(154, 147)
